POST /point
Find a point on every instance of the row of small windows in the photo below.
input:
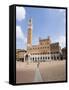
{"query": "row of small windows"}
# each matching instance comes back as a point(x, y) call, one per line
point(40, 53)
point(43, 58)
point(52, 47)
point(37, 48)
point(45, 53)
point(39, 58)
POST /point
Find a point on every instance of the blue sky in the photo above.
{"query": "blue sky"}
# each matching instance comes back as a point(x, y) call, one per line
point(46, 22)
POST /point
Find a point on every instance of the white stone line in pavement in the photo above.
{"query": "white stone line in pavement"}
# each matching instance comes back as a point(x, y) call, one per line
point(38, 77)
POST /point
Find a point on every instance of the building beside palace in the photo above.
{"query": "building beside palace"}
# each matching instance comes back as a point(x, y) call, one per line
point(20, 54)
point(44, 51)
point(64, 53)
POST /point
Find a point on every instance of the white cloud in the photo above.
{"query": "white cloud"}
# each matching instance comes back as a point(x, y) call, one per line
point(20, 13)
point(62, 41)
point(20, 34)
point(61, 10)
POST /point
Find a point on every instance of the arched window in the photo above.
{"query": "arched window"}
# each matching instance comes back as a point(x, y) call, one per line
point(48, 57)
point(57, 57)
point(43, 57)
point(51, 57)
point(40, 57)
point(54, 57)
point(33, 58)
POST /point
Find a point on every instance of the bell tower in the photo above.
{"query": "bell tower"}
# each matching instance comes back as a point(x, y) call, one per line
point(29, 35)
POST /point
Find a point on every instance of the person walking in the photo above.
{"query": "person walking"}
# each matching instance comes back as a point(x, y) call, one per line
point(38, 64)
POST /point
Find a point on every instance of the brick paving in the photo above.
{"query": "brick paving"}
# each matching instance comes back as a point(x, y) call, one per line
point(53, 71)
point(48, 71)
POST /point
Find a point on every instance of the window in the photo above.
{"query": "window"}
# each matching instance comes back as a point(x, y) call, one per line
point(54, 58)
point(43, 57)
point(51, 57)
point(48, 57)
point(33, 58)
point(57, 57)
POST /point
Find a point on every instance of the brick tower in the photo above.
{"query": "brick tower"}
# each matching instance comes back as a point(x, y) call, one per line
point(29, 35)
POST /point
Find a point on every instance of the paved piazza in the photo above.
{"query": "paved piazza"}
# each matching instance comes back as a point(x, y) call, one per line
point(47, 71)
